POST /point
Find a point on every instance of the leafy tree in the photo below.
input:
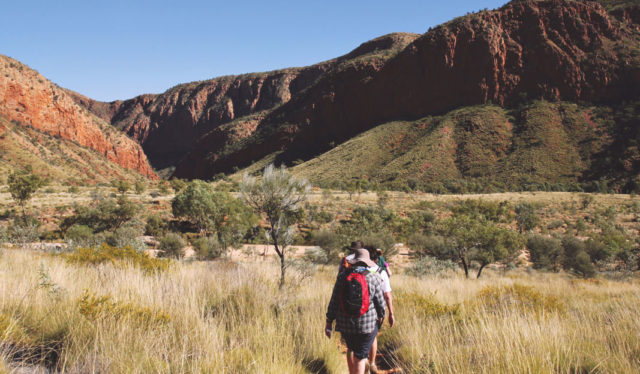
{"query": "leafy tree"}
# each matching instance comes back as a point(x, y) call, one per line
point(470, 239)
point(196, 204)
point(232, 221)
point(526, 217)
point(214, 211)
point(369, 220)
point(494, 244)
point(22, 186)
point(278, 196)
point(104, 215)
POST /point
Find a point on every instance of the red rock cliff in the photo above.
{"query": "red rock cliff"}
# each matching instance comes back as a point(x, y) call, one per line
point(26, 97)
point(169, 125)
point(555, 49)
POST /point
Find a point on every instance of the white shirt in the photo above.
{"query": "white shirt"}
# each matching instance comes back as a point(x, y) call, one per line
point(386, 282)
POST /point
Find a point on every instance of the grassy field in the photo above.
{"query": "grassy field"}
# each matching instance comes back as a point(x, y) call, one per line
point(228, 318)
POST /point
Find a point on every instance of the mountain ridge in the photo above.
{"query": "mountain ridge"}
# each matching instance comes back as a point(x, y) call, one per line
point(551, 50)
point(29, 99)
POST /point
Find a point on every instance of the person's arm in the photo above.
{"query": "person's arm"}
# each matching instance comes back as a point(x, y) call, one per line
point(388, 298)
point(332, 310)
point(378, 298)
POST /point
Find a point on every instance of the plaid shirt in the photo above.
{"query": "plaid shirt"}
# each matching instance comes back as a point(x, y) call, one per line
point(365, 323)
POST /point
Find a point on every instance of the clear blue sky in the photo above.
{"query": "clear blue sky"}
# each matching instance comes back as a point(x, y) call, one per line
point(117, 49)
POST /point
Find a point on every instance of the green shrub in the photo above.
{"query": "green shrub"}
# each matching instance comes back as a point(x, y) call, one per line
point(126, 236)
point(73, 190)
point(431, 266)
point(428, 245)
point(576, 257)
point(316, 255)
point(122, 186)
point(544, 252)
point(583, 266)
point(208, 248)
point(526, 217)
point(103, 215)
point(156, 225)
point(171, 245)
point(383, 240)
point(24, 230)
point(163, 188)
point(79, 235)
point(329, 243)
point(177, 184)
point(140, 187)
point(489, 210)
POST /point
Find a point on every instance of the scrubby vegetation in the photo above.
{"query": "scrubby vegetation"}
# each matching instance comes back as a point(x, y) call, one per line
point(231, 317)
point(527, 254)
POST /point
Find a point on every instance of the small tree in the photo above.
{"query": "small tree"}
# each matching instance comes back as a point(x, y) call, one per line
point(494, 244)
point(526, 217)
point(279, 197)
point(22, 186)
point(475, 239)
point(196, 204)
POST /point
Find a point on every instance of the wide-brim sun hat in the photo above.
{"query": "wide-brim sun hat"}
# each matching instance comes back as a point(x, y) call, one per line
point(355, 246)
point(361, 255)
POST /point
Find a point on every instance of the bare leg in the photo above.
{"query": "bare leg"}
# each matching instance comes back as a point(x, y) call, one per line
point(373, 352)
point(350, 362)
point(360, 365)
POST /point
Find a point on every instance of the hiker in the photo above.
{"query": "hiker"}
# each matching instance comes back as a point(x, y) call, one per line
point(358, 307)
point(344, 263)
point(381, 261)
point(386, 293)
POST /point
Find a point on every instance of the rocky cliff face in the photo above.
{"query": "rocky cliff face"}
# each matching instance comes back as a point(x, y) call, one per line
point(168, 125)
point(29, 99)
point(553, 49)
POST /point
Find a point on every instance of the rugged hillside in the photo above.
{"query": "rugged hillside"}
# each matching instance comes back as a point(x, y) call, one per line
point(54, 158)
point(477, 149)
point(30, 101)
point(168, 125)
point(556, 50)
point(534, 92)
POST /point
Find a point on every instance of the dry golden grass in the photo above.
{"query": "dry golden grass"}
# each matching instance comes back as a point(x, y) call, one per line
point(229, 318)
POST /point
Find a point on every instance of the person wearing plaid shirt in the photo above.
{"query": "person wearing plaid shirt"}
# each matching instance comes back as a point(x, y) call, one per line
point(358, 332)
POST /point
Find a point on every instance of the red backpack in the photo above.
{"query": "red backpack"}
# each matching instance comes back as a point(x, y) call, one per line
point(354, 294)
